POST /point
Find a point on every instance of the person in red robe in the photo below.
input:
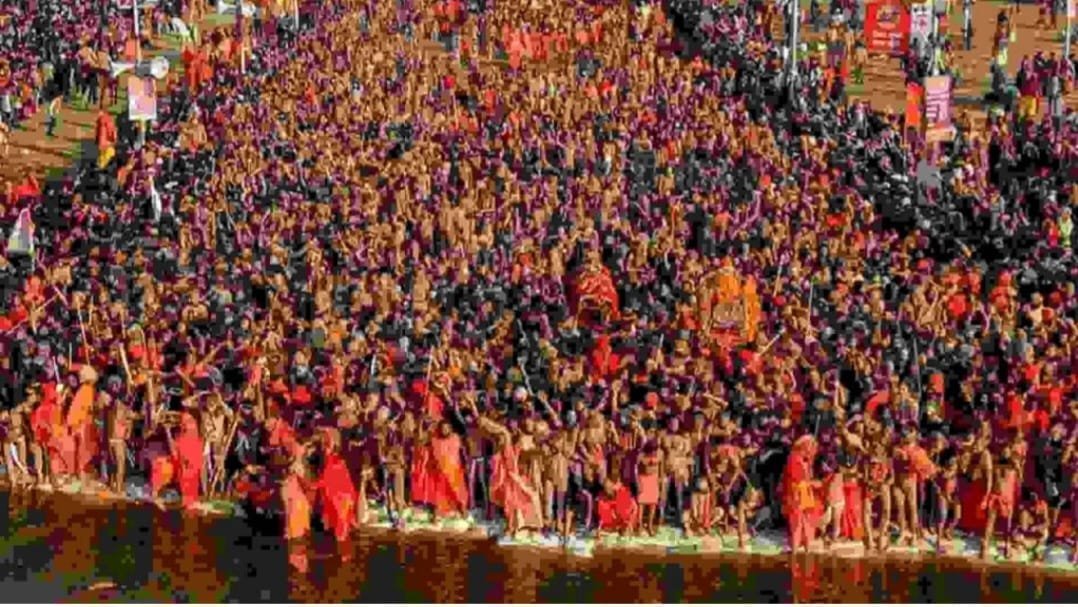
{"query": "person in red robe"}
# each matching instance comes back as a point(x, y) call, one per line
point(616, 508)
point(336, 491)
point(432, 405)
point(106, 135)
point(853, 527)
point(447, 489)
point(604, 363)
point(187, 454)
point(799, 502)
point(182, 465)
point(47, 426)
point(595, 290)
point(419, 485)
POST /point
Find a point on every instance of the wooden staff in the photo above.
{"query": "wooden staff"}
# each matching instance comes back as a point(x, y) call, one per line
point(21, 322)
point(772, 342)
point(61, 295)
point(82, 328)
point(218, 470)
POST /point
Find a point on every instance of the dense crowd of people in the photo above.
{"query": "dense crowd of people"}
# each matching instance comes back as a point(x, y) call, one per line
point(578, 265)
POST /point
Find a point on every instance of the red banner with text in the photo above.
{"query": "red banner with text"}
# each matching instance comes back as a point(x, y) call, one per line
point(887, 27)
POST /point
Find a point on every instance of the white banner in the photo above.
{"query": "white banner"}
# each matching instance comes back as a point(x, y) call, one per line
point(141, 99)
point(920, 25)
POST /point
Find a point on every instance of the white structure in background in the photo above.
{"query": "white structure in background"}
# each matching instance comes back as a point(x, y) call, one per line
point(224, 8)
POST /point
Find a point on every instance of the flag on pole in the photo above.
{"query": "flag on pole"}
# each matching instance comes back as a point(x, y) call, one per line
point(21, 240)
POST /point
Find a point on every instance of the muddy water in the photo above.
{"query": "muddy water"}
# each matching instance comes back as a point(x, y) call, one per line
point(53, 548)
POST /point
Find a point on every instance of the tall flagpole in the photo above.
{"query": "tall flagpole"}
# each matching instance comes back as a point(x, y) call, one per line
point(138, 36)
point(795, 26)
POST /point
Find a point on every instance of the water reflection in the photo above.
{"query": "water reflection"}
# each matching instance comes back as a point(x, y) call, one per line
point(54, 549)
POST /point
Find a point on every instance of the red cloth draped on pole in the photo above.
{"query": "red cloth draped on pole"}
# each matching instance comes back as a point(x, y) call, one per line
point(594, 289)
point(800, 505)
point(447, 488)
point(337, 495)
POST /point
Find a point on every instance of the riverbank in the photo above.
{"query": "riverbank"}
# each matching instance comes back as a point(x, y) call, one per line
point(668, 541)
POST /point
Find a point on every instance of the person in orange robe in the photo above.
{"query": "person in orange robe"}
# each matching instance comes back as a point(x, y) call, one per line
point(448, 490)
point(336, 491)
point(297, 508)
point(510, 491)
point(80, 423)
point(798, 499)
point(105, 134)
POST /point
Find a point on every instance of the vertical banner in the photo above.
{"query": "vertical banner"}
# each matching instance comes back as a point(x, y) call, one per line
point(21, 240)
point(887, 27)
point(921, 25)
point(1072, 9)
point(938, 109)
point(141, 98)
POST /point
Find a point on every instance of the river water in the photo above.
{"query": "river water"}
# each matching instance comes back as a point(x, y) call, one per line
point(56, 549)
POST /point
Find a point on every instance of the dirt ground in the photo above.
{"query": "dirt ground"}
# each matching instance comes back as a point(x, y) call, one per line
point(32, 152)
point(885, 85)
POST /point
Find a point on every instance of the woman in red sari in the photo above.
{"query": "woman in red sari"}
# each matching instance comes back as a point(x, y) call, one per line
point(798, 498)
point(447, 489)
